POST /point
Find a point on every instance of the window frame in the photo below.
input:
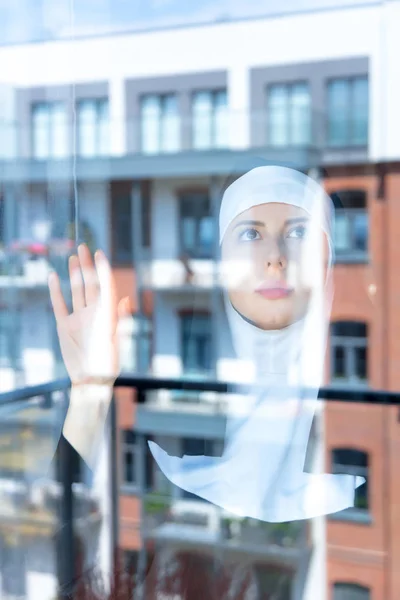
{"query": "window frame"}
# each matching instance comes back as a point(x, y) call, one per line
point(98, 102)
point(354, 513)
point(352, 254)
point(213, 93)
point(349, 344)
point(50, 104)
point(134, 448)
point(195, 199)
point(162, 99)
point(349, 79)
point(288, 85)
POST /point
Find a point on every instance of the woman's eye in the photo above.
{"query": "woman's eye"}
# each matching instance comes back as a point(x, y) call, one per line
point(249, 235)
point(297, 232)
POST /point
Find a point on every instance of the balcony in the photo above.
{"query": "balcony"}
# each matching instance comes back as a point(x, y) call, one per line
point(180, 156)
point(200, 524)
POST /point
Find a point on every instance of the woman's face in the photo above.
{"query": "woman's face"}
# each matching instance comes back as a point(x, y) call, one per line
point(268, 275)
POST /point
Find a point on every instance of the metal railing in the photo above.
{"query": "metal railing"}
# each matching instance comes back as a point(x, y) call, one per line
point(42, 397)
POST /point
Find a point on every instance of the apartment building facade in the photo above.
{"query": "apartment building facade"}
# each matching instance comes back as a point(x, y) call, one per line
point(137, 134)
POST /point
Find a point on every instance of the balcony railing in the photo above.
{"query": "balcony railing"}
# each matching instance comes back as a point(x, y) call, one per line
point(40, 510)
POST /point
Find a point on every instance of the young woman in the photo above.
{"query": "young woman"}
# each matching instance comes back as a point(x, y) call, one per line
point(276, 253)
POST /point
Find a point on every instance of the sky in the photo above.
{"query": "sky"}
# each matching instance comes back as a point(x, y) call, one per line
point(27, 20)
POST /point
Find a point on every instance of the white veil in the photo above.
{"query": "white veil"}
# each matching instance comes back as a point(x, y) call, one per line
point(261, 472)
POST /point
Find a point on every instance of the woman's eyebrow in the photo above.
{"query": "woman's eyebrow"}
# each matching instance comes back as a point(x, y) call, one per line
point(296, 220)
point(249, 222)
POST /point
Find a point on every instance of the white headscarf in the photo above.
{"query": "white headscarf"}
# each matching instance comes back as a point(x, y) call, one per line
point(261, 472)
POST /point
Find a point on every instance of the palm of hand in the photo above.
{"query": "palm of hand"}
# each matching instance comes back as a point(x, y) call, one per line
point(88, 336)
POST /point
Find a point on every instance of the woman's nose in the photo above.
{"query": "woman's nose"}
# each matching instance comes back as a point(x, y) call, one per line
point(274, 259)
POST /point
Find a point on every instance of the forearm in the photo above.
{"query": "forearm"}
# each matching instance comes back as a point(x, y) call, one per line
point(86, 418)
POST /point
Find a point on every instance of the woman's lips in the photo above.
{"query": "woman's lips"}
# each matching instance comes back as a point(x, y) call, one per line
point(274, 291)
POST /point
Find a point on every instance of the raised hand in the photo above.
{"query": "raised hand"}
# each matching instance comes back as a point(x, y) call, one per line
point(89, 335)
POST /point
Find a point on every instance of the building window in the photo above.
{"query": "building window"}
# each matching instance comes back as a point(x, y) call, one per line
point(347, 461)
point(197, 226)
point(351, 224)
point(160, 124)
point(122, 230)
point(49, 130)
point(349, 360)
point(133, 451)
point(130, 450)
point(348, 107)
point(289, 114)
point(350, 591)
point(210, 119)
point(93, 127)
point(196, 344)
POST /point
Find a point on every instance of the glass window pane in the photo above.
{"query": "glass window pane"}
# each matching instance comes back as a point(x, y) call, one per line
point(202, 120)
point(300, 107)
point(342, 232)
point(103, 134)
point(196, 344)
point(87, 125)
point(170, 129)
point(338, 112)
point(150, 124)
point(360, 109)
point(129, 467)
point(361, 496)
point(339, 363)
point(360, 232)
point(41, 131)
point(221, 119)
point(278, 115)
point(189, 234)
point(206, 235)
point(123, 229)
point(361, 362)
point(59, 130)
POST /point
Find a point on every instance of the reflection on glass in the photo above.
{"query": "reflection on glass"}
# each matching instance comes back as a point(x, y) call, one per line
point(210, 119)
point(348, 112)
point(159, 124)
point(360, 231)
point(289, 114)
point(93, 127)
point(196, 344)
point(278, 104)
point(342, 231)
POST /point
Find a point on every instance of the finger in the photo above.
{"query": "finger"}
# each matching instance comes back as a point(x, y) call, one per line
point(90, 276)
point(57, 299)
point(107, 288)
point(124, 308)
point(77, 289)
